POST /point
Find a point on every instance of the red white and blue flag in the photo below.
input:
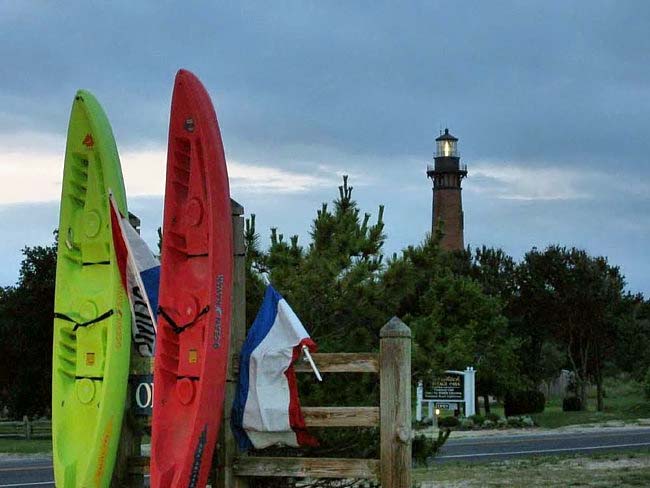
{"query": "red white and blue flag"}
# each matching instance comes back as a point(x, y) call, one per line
point(266, 410)
point(140, 272)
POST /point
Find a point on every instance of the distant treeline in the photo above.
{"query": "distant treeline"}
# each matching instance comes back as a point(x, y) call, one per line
point(517, 323)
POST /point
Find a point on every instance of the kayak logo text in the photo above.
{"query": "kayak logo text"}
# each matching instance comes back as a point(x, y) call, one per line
point(198, 455)
point(216, 343)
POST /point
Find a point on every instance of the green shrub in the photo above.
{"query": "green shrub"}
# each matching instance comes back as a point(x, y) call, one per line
point(420, 449)
point(527, 421)
point(478, 419)
point(425, 422)
point(571, 404)
point(622, 385)
point(514, 422)
point(646, 384)
point(493, 417)
point(518, 422)
point(488, 424)
point(424, 447)
point(466, 424)
point(521, 402)
point(448, 422)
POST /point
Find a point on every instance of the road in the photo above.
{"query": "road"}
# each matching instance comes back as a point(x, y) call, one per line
point(17, 472)
point(548, 443)
point(26, 471)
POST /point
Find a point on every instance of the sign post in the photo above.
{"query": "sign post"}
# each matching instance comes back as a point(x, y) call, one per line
point(470, 391)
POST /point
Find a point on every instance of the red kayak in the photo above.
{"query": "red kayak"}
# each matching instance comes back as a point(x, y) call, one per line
point(195, 293)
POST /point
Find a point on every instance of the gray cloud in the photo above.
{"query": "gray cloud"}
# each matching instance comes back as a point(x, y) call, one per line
point(364, 88)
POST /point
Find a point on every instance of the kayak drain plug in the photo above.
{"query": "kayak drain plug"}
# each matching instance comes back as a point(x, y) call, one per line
point(185, 390)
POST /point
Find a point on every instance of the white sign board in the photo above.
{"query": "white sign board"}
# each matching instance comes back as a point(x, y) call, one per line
point(454, 390)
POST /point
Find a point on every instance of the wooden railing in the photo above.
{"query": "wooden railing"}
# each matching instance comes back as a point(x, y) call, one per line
point(26, 429)
point(392, 416)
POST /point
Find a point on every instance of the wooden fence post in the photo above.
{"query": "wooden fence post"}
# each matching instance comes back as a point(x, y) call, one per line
point(28, 430)
point(133, 425)
point(395, 404)
point(226, 448)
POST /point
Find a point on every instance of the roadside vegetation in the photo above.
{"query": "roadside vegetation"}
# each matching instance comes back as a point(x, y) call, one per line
point(602, 470)
point(22, 446)
point(625, 403)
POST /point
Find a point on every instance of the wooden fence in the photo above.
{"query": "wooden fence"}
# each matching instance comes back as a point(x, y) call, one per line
point(392, 415)
point(26, 429)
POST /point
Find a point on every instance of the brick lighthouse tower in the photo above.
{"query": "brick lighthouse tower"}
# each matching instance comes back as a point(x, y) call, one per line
point(447, 174)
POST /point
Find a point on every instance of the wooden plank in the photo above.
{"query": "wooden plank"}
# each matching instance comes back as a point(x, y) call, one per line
point(138, 465)
point(128, 447)
point(335, 416)
point(395, 404)
point(132, 425)
point(12, 429)
point(341, 416)
point(342, 362)
point(41, 429)
point(307, 467)
point(236, 208)
point(227, 448)
point(12, 424)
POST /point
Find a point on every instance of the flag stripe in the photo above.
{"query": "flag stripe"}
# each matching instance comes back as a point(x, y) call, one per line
point(118, 242)
point(296, 419)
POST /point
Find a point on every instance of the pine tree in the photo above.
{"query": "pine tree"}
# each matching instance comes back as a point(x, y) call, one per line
point(332, 283)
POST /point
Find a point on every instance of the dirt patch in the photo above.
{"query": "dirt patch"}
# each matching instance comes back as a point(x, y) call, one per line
point(615, 469)
point(38, 456)
point(618, 464)
point(572, 429)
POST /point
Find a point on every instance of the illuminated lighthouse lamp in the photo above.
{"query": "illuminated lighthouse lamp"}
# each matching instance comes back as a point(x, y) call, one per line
point(446, 146)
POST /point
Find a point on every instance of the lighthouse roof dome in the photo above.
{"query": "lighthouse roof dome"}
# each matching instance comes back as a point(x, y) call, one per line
point(446, 137)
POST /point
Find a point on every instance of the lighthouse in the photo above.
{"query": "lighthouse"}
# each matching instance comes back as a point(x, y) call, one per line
point(447, 173)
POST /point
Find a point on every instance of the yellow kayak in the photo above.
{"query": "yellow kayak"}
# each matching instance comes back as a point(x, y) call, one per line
point(92, 325)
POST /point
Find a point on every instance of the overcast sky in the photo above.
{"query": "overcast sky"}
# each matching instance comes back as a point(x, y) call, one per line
point(550, 101)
